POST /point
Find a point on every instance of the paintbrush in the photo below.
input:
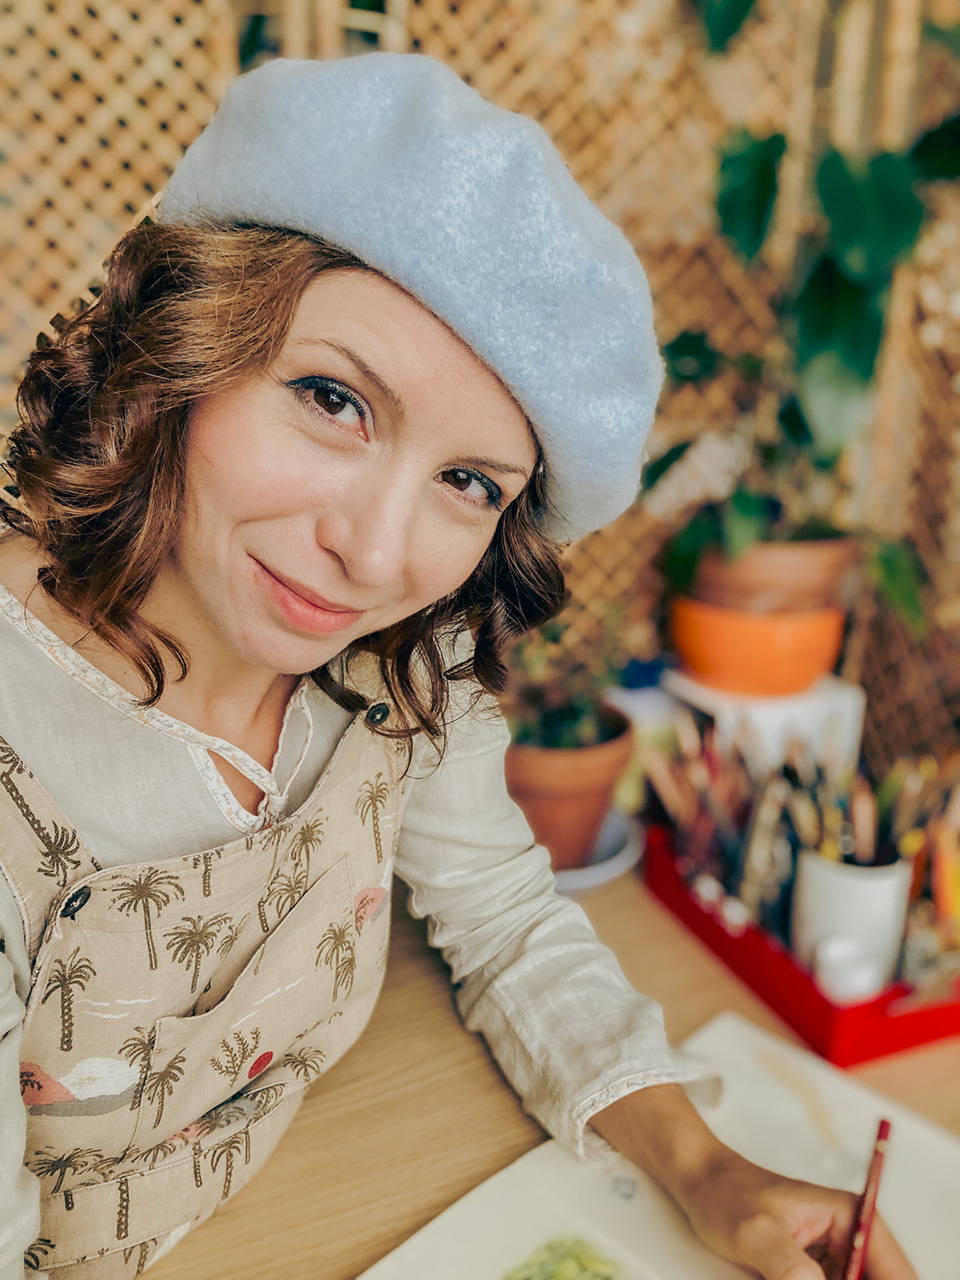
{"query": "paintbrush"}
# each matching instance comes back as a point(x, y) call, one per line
point(709, 794)
point(863, 814)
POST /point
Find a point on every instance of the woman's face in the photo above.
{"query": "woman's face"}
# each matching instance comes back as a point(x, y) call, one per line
point(357, 481)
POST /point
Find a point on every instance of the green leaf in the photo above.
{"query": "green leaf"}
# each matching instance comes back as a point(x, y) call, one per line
point(690, 357)
point(794, 424)
point(836, 402)
point(748, 187)
point(873, 211)
point(815, 529)
point(745, 518)
point(749, 367)
point(684, 550)
point(896, 569)
point(723, 19)
point(936, 153)
point(834, 313)
point(655, 469)
point(949, 37)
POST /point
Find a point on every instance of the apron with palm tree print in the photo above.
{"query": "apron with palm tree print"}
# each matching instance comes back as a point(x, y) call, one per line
point(178, 1010)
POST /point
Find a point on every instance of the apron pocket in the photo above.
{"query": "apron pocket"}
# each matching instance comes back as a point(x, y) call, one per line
point(299, 975)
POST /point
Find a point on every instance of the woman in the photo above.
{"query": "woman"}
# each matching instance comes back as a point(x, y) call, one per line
point(324, 423)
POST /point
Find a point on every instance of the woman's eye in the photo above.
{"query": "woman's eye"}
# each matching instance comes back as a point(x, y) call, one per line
point(474, 485)
point(333, 399)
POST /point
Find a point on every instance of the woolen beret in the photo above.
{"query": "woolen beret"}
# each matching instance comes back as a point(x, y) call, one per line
point(470, 209)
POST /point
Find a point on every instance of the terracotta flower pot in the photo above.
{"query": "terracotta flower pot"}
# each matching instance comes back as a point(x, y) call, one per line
point(565, 794)
point(774, 577)
point(763, 654)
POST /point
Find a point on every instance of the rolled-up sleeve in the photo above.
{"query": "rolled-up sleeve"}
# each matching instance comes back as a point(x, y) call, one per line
point(565, 1025)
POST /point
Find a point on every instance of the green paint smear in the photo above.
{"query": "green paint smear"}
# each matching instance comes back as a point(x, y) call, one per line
point(566, 1258)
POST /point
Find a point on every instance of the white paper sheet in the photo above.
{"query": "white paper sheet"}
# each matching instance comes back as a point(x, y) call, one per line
point(782, 1107)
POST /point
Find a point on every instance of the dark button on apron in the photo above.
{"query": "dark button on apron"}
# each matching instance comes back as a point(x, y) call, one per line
point(79, 898)
point(377, 713)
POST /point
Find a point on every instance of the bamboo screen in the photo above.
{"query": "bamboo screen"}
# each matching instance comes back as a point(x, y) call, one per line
point(637, 107)
point(103, 96)
point(106, 95)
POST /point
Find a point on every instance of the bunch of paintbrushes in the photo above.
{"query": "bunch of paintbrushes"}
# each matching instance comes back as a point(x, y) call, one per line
point(744, 833)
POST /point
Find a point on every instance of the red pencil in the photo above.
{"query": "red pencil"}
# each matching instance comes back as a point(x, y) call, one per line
point(868, 1204)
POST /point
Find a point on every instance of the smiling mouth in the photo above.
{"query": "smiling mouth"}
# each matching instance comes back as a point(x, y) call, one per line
point(302, 608)
point(310, 597)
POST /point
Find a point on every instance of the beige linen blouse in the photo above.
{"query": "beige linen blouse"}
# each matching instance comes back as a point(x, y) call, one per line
point(566, 1027)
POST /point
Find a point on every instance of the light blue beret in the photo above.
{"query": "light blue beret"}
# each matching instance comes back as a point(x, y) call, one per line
point(471, 209)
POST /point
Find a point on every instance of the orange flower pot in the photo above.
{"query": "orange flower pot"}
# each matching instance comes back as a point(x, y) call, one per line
point(764, 654)
point(565, 794)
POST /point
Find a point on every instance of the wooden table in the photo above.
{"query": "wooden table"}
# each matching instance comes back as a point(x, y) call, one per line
point(417, 1113)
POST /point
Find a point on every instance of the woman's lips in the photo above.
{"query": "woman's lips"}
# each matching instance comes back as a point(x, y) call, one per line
point(303, 608)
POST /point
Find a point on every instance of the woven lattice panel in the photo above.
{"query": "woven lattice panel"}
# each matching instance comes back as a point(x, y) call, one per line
point(914, 688)
point(941, 70)
point(318, 28)
point(628, 96)
point(637, 109)
point(913, 691)
point(103, 97)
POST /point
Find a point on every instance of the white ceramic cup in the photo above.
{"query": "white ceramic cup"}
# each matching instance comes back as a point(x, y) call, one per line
point(842, 909)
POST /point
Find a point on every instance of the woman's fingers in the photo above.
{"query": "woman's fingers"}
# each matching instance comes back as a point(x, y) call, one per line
point(767, 1247)
point(798, 1220)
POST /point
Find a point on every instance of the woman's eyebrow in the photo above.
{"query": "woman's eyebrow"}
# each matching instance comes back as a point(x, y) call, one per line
point(388, 393)
point(495, 464)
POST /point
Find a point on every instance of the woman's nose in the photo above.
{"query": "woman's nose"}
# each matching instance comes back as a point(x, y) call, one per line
point(369, 531)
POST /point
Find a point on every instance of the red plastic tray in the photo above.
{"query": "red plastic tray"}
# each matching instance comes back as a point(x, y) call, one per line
point(843, 1034)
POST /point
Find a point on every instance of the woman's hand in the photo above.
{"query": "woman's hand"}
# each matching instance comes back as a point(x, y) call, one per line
point(779, 1228)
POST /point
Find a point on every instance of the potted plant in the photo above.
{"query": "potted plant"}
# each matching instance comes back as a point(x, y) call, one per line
point(759, 569)
point(569, 747)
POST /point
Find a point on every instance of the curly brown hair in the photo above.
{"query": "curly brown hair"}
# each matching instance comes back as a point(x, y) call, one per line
point(98, 459)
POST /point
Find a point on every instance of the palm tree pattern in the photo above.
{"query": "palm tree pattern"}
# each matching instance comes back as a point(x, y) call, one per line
point(225, 1151)
point(151, 890)
point(371, 799)
point(306, 1064)
point(337, 950)
point(57, 850)
point(240, 1110)
point(192, 940)
point(33, 1259)
point(308, 837)
point(196, 936)
point(58, 854)
point(47, 1164)
point(272, 839)
point(123, 1208)
point(158, 1085)
point(230, 935)
point(142, 1250)
point(265, 1099)
point(153, 1155)
point(137, 1049)
point(205, 860)
point(286, 891)
point(64, 976)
